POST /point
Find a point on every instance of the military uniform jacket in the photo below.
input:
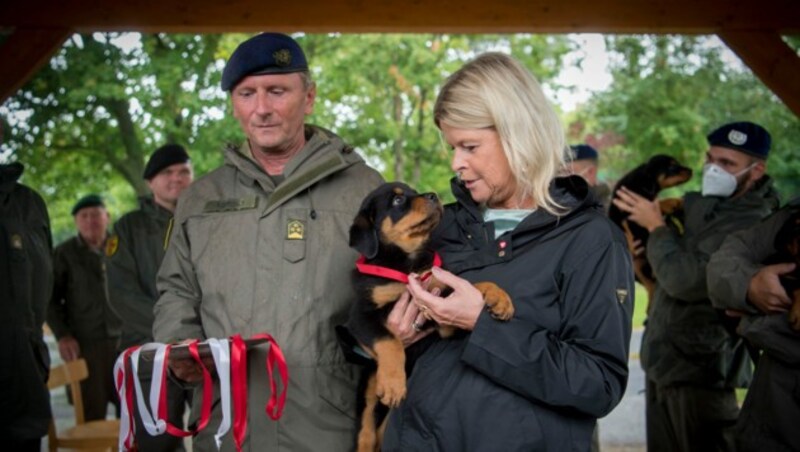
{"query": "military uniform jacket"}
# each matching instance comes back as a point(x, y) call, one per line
point(768, 420)
point(685, 340)
point(25, 284)
point(248, 257)
point(134, 254)
point(539, 381)
point(79, 306)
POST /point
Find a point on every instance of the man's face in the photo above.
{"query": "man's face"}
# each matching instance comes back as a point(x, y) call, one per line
point(271, 110)
point(736, 162)
point(586, 169)
point(92, 222)
point(170, 182)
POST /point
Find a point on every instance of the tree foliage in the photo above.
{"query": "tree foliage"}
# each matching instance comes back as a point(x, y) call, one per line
point(668, 93)
point(88, 121)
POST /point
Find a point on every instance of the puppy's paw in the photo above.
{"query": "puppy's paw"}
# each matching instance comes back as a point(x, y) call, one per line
point(391, 388)
point(498, 301)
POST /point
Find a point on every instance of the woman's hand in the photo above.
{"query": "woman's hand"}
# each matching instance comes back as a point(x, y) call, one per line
point(406, 322)
point(460, 309)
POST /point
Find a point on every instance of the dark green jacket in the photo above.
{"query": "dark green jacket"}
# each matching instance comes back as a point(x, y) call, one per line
point(134, 255)
point(25, 283)
point(79, 306)
point(248, 257)
point(768, 420)
point(685, 341)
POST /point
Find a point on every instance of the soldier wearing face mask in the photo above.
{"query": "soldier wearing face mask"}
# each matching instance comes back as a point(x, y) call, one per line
point(692, 360)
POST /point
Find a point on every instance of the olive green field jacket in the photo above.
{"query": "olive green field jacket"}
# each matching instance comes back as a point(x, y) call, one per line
point(248, 257)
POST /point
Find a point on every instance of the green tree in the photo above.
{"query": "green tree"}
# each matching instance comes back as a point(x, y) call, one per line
point(87, 122)
point(105, 101)
point(668, 92)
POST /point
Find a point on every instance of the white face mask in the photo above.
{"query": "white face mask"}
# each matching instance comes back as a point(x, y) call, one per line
point(718, 182)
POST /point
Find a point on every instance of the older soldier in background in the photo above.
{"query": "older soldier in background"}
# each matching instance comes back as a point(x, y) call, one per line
point(134, 253)
point(79, 313)
point(584, 162)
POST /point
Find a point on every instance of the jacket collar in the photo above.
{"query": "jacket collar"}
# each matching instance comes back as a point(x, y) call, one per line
point(323, 154)
point(571, 192)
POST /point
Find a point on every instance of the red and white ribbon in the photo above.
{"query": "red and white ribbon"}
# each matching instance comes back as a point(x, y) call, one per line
point(124, 385)
point(230, 360)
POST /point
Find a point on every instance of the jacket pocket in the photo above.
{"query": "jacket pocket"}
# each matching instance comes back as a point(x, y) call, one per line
point(295, 234)
point(337, 386)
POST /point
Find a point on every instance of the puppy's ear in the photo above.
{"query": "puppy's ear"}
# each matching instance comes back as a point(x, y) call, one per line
point(363, 237)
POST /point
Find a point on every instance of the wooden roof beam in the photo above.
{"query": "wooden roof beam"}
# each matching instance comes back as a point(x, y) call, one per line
point(23, 52)
point(771, 60)
point(418, 16)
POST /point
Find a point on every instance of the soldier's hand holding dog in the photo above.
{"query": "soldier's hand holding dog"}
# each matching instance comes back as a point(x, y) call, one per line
point(644, 212)
point(459, 309)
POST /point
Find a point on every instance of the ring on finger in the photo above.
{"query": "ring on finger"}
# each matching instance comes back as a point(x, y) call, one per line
point(417, 327)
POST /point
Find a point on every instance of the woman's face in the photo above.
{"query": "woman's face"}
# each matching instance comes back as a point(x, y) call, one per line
point(483, 168)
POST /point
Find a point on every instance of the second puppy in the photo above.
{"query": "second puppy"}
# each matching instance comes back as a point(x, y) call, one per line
point(392, 232)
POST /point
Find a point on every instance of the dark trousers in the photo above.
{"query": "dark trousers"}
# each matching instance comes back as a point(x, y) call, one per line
point(22, 445)
point(687, 418)
point(98, 390)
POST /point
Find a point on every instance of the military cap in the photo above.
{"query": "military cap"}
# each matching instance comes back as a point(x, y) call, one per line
point(88, 201)
point(583, 152)
point(267, 53)
point(166, 155)
point(746, 137)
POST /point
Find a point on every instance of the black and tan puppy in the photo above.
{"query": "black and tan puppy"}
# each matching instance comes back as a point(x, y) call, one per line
point(392, 232)
point(647, 180)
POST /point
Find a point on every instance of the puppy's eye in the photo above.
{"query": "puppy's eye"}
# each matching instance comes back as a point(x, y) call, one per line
point(398, 200)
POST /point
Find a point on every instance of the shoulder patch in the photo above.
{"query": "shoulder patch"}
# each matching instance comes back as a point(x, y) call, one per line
point(621, 295)
point(112, 244)
point(16, 241)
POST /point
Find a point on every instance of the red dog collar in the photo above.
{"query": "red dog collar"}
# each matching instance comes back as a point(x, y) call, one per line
point(388, 273)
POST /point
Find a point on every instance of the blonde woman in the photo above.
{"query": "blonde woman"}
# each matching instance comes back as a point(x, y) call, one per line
point(540, 380)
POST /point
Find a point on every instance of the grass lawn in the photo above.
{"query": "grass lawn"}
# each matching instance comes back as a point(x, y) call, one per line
point(639, 307)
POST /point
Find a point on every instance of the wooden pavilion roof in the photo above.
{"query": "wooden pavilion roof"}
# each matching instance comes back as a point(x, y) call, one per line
point(35, 29)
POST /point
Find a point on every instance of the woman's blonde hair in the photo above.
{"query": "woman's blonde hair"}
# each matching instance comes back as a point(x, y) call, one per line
point(495, 91)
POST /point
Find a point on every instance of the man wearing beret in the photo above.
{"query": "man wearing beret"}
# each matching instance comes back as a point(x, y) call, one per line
point(584, 163)
point(260, 245)
point(79, 313)
point(134, 254)
point(692, 359)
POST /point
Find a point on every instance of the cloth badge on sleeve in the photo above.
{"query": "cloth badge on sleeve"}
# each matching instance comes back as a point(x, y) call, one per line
point(16, 241)
point(111, 245)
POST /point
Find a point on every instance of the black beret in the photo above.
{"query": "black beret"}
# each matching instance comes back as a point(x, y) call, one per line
point(88, 201)
point(267, 53)
point(747, 137)
point(583, 152)
point(166, 155)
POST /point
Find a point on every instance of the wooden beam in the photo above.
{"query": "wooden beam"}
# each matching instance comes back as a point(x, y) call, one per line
point(23, 52)
point(771, 60)
point(446, 16)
